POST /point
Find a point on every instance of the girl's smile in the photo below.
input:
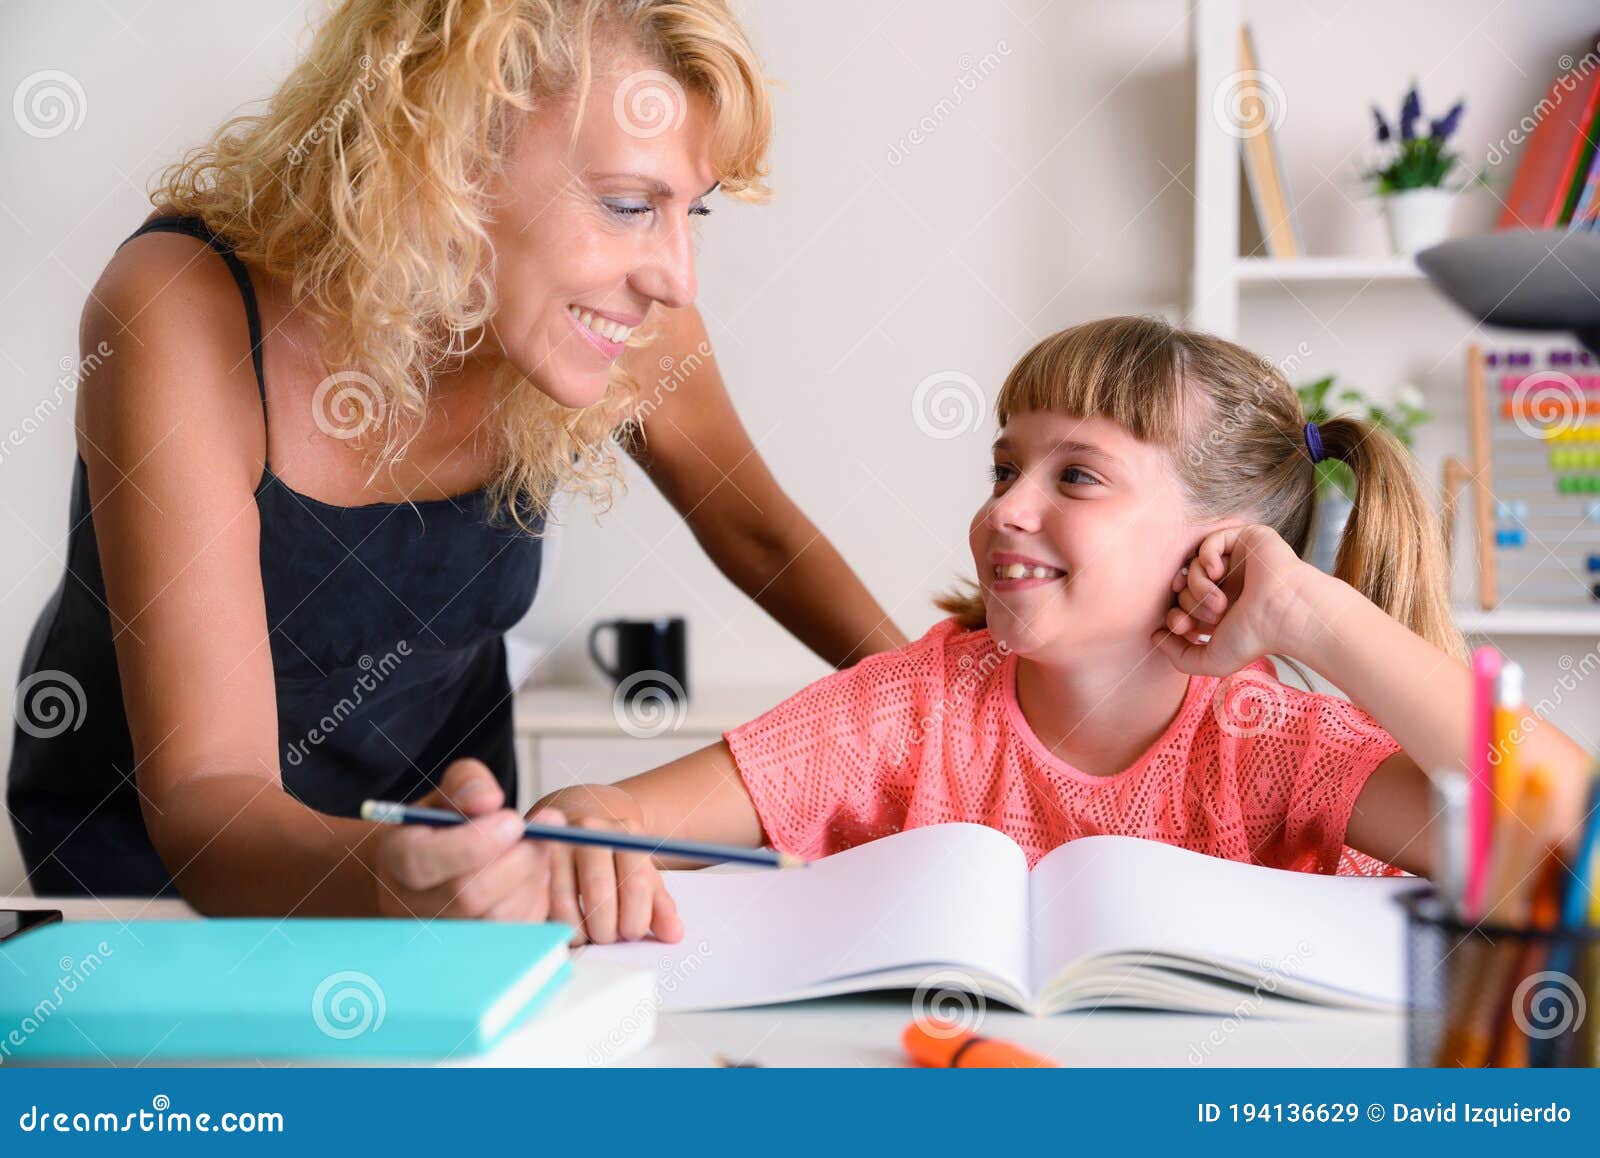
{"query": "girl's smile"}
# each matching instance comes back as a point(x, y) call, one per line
point(1013, 572)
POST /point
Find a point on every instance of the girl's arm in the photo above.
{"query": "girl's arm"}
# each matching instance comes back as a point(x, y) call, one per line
point(1272, 602)
point(697, 797)
point(1423, 698)
point(698, 454)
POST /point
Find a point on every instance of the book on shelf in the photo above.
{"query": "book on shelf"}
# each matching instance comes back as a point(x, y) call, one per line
point(1551, 185)
point(1587, 210)
point(1262, 159)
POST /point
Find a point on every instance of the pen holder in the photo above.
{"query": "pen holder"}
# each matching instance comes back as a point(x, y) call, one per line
point(1493, 995)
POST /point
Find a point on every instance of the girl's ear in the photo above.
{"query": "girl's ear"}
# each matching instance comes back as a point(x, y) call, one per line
point(1198, 533)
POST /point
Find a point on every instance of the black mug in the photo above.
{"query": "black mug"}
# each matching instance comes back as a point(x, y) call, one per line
point(652, 657)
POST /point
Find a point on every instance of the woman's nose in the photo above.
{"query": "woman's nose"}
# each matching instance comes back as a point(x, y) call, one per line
point(667, 275)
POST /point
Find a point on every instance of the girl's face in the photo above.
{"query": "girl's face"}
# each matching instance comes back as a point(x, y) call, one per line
point(1078, 544)
point(587, 237)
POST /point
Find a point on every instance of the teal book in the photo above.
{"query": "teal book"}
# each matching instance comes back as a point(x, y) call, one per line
point(304, 989)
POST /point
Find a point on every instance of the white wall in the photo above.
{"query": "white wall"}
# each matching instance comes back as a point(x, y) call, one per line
point(1052, 186)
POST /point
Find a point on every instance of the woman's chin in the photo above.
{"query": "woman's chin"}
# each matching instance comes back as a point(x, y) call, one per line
point(573, 389)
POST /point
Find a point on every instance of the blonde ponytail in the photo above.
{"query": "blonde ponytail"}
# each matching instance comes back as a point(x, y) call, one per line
point(1392, 549)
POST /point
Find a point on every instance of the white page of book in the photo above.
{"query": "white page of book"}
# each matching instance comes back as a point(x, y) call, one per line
point(1112, 894)
point(948, 894)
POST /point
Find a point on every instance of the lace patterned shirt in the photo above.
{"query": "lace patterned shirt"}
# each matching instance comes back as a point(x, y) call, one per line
point(1249, 769)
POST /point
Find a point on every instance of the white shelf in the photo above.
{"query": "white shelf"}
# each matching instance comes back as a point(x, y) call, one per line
point(1221, 281)
point(1336, 270)
point(1559, 622)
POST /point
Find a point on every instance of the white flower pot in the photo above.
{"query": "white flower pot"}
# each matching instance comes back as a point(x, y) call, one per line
point(1417, 218)
point(1327, 528)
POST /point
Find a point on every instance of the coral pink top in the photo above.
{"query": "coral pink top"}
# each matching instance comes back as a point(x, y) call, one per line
point(1249, 769)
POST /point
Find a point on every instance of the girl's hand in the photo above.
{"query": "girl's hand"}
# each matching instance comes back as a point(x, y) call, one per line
point(605, 894)
point(1242, 589)
point(482, 869)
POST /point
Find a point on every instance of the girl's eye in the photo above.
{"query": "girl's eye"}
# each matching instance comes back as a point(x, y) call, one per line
point(999, 474)
point(698, 210)
point(1077, 476)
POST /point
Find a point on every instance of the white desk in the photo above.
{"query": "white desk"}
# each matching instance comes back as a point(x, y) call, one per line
point(865, 1031)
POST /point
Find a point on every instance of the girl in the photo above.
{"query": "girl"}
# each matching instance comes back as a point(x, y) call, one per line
point(1138, 560)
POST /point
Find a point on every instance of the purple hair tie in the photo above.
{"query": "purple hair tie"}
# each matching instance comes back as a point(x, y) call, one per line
point(1314, 442)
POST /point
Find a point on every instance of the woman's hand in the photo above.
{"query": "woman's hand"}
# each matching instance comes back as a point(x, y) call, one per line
point(606, 894)
point(1242, 589)
point(481, 869)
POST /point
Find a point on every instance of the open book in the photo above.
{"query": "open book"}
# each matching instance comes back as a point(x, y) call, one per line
point(1104, 921)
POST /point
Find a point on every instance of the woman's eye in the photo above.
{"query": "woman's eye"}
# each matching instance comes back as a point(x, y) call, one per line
point(631, 209)
point(628, 208)
point(1076, 476)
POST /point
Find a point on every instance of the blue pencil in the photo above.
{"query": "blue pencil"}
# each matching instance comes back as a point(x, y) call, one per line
point(386, 812)
point(1580, 890)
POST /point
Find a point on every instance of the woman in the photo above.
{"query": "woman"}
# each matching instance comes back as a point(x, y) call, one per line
point(446, 229)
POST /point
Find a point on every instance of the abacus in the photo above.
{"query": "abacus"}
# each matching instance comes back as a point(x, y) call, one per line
point(1535, 472)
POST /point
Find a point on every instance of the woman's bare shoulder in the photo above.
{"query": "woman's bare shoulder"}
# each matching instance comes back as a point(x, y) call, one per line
point(165, 339)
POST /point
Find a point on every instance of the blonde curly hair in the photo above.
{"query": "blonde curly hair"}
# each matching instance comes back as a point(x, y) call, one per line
point(365, 180)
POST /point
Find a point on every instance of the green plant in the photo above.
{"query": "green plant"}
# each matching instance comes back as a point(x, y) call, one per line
point(1413, 161)
point(1321, 400)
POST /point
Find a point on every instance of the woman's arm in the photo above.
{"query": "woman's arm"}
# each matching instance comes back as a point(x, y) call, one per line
point(171, 431)
point(698, 454)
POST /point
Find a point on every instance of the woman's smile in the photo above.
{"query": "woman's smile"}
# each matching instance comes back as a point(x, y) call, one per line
point(607, 333)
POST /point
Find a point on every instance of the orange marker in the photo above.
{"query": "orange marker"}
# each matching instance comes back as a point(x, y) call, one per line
point(1507, 724)
point(942, 1045)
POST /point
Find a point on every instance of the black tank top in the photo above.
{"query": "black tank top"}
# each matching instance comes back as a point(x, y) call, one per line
point(386, 624)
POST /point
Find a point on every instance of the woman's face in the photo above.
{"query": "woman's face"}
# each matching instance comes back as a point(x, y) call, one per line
point(1095, 518)
point(589, 234)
